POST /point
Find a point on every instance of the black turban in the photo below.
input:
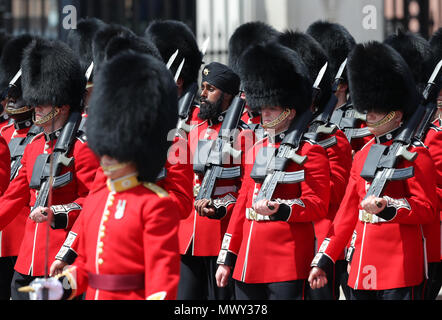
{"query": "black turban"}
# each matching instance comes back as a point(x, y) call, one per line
point(221, 77)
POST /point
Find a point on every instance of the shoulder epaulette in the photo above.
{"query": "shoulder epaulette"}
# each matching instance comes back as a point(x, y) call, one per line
point(81, 135)
point(435, 128)
point(160, 192)
point(243, 125)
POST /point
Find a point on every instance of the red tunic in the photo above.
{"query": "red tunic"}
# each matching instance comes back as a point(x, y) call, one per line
point(276, 251)
point(340, 160)
point(432, 231)
point(67, 203)
point(203, 235)
point(12, 235)
point(178, 182)
point(250, 118)
point(390, 254)
point(129, 232)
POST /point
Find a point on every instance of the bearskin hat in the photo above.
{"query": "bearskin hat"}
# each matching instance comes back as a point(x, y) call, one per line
point(246, 35)
point(170, 35)
point(436, 43)
point(4, 38)
point(380, 80)
point(80, 39)
point(418, 54)
point(274, 75)
point(137, 44)
point(52, 75)
point(10, 60)
point(132, 112)
point(336, 41)
point(313, 56)
point(101, 40)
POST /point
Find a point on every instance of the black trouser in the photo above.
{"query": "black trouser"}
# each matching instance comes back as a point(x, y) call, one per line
point(433, 284)
point(6, 273)
point(287, 290)
point(197, 280)
point(342, 278)
point(20, 280)
point(406, 293)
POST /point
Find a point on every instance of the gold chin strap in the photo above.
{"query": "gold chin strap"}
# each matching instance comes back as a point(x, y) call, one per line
point(51, 115)
point(383, 121)
point(278, 120)
point(13, 111)
point(113, 167)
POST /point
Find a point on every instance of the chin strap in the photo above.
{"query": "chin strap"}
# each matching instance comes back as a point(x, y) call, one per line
point(383, 121)
point(278, 120)
point(50, 116)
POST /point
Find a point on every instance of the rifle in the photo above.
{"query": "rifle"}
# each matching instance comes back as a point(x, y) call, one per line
point(41, 175)
point(184, 105)
point(346, 118)
point(212, 161)
point(17, 148)
point(321, 124)
point(186, 101)
point(428, 113)
point(381, 161)
point(271, 163)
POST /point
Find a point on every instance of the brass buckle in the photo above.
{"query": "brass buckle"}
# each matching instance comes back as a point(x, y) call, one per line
point(196, 190)
point(366, 217)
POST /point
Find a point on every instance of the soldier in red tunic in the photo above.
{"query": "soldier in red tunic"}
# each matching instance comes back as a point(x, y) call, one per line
point(269, 241)
point(128, 245)
point(17, 135)
point(338, 43)
point(339, 151)
point(53, 82)
point(201, 233)
point(419, 56)
point(387, 259)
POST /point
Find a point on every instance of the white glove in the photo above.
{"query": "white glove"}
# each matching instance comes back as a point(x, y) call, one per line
point(55, 289)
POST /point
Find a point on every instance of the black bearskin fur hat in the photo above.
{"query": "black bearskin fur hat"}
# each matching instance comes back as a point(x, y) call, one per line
point(11, 59)
point(274, 75)
point(336, 41)
point(132, 112)
point(246, 35)
point(137, 44)
point(313, 56)
point(170, 35)
point(52, 75)
point(102, 39)
point(436, 43)
point(418, 54)
point(380, 80)
point(80, 39)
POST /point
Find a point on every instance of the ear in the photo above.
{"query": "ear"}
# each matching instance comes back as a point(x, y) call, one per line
point(65, 109)
point(292, 114)
point(342, 88)
point(399, 116)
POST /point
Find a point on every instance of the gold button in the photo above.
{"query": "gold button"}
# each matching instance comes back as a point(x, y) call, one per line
point(100, 244)
point(100, 250)
point(100, 261)
point(105, 218)
point(106, 212)
point(102, 234)
point(102, 228)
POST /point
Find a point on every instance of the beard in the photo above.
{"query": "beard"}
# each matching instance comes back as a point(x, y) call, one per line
point(209, 110)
